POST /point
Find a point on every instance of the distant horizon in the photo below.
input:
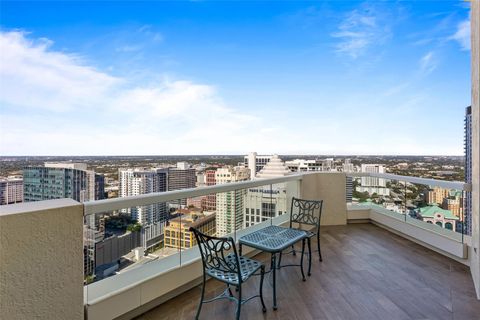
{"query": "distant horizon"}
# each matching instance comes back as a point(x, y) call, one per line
point(238, 155)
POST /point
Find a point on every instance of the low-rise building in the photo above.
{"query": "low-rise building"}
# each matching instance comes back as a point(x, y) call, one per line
point(441, 217)
point(177, 233)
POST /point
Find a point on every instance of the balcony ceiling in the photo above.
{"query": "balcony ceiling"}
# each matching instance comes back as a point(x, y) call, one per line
point(367, 273)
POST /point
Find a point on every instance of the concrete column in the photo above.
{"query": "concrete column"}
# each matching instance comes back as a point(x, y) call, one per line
point(331, 188)
point(475, 35)
point(41, 260)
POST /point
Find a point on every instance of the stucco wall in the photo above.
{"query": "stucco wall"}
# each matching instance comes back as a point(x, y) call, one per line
point(41, 260)
point(475, 34)
point(331, 188)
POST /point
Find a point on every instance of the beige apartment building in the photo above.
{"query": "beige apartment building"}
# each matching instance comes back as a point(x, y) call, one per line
point(177, 234)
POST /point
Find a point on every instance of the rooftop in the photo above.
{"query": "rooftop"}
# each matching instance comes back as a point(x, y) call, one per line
point(430, 212)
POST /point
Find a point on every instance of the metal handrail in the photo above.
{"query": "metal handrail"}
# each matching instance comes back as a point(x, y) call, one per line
point(459, 185)
point(99, 206)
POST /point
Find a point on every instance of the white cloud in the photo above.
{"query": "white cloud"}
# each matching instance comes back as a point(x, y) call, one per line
point(428, 63)
point(462, 35)
point(359, 30)
point(33, 76)
point(54, 100)
point(55, 103)
point(148, 30)
point(128, 48)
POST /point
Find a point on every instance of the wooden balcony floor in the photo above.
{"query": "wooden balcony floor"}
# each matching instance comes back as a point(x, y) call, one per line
point(367, 273)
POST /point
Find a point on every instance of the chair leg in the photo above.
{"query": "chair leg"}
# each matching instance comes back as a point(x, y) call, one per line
point(229, 290)
point(293, 251)
point(201, 298)
point(309, 256)
point(239, 301)
point(279, 260)
point(262, 275)
point(301, 260)
point(318, 245)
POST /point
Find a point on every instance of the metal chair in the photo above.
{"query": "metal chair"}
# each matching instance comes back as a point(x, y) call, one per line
point(308, 212)
point(222, 262)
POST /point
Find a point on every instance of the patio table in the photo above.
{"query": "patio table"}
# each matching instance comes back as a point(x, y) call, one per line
point(274, 239)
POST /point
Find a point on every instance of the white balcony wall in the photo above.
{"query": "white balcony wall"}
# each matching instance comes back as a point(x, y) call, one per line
point(475, 54)
point(41, 260)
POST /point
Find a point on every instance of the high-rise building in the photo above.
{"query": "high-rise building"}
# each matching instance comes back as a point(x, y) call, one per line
point(211, 202)
point(328, 164)
point(230, 205)
point(265, 202)
point(181, 177)
point(11, 190)
point(348, 166)
point(62, 180)
point(436, 195)
point(454, 205)
point(137, 181)
point(58, 180)
point(152, 217)
point(255, 163)
point(373, 184)
point(349, 189)
point(468, 170)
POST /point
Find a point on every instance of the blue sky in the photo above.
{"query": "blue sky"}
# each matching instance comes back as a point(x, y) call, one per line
point(133, 78)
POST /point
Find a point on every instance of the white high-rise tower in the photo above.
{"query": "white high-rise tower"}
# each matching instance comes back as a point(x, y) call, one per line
point(230, 205)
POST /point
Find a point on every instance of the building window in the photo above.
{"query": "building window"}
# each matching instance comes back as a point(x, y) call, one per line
point(268, 209)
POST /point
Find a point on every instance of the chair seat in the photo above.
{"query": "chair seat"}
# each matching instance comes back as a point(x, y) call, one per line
point(247, 268)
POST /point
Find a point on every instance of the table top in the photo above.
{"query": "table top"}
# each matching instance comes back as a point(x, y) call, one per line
point(272, 238)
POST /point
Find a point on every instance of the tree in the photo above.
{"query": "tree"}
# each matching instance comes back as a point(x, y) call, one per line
point(134, 227)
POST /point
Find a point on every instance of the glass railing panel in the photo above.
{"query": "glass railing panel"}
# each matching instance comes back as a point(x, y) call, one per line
point(132, 244)
point(438, 209)
point(118, 242)
point(383, 195)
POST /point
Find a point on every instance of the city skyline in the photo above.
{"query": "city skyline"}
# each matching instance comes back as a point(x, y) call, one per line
point(223, 78)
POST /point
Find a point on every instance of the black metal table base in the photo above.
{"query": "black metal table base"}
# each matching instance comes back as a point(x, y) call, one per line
point(275, 239)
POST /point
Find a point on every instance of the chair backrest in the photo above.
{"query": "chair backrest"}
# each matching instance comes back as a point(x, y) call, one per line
point(214, 252)
point(306, 212)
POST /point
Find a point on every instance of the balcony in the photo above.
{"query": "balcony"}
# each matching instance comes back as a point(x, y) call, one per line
point(367, 273)
point(378, 263)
